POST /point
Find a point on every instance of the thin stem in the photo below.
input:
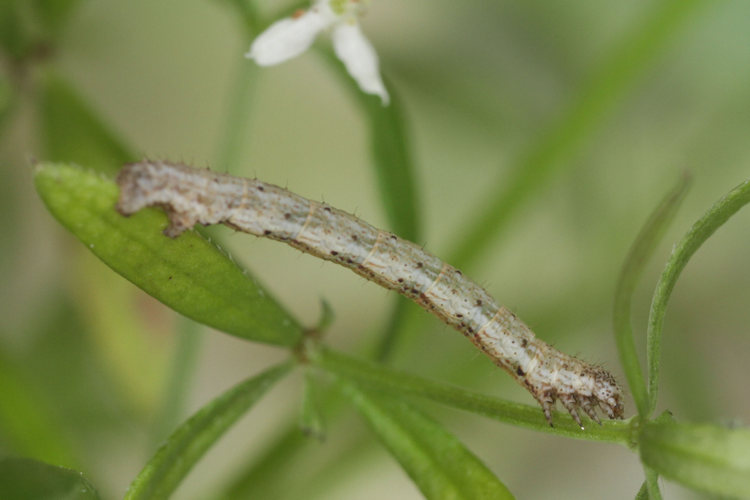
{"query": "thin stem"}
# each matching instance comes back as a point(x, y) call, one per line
point(638, 256)
point(398, 382)
point(392, 333)
point(184, 361)
point(716, 216)
point(652, 484)
point(238, 113)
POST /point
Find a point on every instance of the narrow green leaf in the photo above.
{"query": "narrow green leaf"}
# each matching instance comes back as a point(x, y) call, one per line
point(643, 247)
point(435, 460)
point(189, 274)
point(326, 316)
point(701, 230)
point(577, 126)
point(397, 382)
point(705, 457)
point(642, 492)
point(53, 14)
point(24, 479)
point(72, 131)
point(164, 472)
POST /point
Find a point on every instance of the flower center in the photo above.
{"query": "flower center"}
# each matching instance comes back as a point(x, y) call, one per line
point(344, 7)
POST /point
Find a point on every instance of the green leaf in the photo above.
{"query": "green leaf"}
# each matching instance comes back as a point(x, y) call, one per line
point(716, 216)
point(54, 13)
point(435, 460)
point(576, 127)
point(638, 256)
point(164, 472)
point(72, 132)
point(642, 492)
point(391, 381)
point(24, 479)
point(326, 317)
point(705, 457)
point(189, 274)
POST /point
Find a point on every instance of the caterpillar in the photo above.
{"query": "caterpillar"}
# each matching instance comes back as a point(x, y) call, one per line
point(190, 196)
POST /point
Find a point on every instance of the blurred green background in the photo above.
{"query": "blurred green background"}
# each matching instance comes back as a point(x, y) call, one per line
point(85, 357)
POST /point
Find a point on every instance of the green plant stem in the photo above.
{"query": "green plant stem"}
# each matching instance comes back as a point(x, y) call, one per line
point(604, 90)
point(406, 384)
point(248, 12)
point(184, 360)
point(393, 330)
point(716, 216)
point(238, 115)
point(652, 483)
point(638, 256)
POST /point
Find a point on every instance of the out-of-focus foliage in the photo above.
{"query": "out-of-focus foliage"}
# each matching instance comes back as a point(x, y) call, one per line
point(22, 479)
point(573, 119)
point(72, 132)
point(705, 457)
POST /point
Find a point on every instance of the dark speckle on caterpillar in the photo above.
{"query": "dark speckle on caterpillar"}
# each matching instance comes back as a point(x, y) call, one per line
point(191, 196)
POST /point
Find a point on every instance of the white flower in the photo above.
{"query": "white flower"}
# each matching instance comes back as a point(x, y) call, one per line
point(292, 36)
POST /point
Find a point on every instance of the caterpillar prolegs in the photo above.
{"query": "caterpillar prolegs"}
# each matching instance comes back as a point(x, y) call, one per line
point(191, 196)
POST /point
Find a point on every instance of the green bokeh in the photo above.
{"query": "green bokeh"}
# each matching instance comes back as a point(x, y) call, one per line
point(484, 87)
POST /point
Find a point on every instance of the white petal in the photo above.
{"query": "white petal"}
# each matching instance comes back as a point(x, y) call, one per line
point(290, 37)
point(360, 59)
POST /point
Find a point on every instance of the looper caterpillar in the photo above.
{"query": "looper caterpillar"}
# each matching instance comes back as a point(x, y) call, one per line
point(191, 196)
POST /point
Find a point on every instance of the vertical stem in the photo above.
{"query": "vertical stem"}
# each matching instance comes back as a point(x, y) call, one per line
point(638, 256)
point(235, 133)
point(652, 484)
point(184, 360)
point(393, 330)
